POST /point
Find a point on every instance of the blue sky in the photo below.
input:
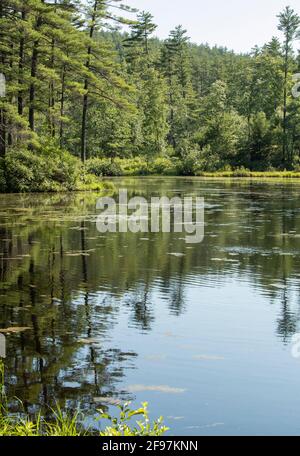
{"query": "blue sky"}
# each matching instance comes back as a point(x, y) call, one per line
point(236, 24)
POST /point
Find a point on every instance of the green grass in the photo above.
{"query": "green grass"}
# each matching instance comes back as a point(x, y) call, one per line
point(63, 424)
point(251, 174)
point(138, 166)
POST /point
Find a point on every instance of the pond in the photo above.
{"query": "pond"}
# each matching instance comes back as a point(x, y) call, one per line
point(203, 332)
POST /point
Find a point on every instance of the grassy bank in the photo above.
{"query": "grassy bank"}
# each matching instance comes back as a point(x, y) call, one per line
point(138, 166)
point(51, 170)
point(64, 424)
point(252, 174)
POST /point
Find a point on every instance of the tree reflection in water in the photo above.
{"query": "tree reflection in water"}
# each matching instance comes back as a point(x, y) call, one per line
point(67, 282)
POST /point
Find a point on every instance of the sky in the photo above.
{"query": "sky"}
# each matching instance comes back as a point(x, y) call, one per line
point(235, 24)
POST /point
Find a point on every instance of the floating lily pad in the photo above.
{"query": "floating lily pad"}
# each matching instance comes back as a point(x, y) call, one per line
point(208, 358)
point(90, 341)
point(159, 388)
point(107, 400)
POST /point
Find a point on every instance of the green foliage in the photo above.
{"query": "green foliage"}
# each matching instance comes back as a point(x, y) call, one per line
point(137, 166)
point(121, 427)
point(25, 172)
point(260, 140)
point(65, 425)
point(28, 171)
point(77, 87)
point(51, 170)
point(103, 167)
point(210, 160)
point(164, 166)
point(244, 172)
point(189, 164)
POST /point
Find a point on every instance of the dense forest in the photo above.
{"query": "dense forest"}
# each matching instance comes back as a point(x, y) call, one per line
point(91, 92)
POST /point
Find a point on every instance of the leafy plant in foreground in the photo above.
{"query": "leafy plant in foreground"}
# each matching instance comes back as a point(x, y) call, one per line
point(64, 424)
point(121, 426)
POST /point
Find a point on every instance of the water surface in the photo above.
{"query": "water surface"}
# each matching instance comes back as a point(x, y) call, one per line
point(202, 332)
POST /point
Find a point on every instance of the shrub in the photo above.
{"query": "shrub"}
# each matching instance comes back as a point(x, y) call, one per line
point(28, 171)
point(210, 160)
point(241, 172)
point(189, 165)
point(120, 427)
point(164, 166)
point(25, 172)
point(102, 167)
point(64, 169)
point(136, 166)
point(90, 182)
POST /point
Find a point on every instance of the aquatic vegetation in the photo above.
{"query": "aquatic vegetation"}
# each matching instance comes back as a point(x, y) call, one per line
point(64, 424)
point(157, 388)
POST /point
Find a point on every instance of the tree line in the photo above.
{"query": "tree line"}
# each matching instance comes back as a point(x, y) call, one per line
point(76, 82)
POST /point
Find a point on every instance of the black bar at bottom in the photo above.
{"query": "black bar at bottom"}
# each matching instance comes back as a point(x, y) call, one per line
point(135, 445)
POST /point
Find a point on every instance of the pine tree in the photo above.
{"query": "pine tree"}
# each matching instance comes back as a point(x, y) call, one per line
point(175, 64)
point(137, 46)
point(96, 12)
point(289, 23)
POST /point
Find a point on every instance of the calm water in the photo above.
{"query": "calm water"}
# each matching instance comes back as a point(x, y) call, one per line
point(202, 332)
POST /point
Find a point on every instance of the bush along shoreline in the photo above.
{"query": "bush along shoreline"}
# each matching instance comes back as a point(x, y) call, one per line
point(171, 166)
point(52, 170)
point(46, 170)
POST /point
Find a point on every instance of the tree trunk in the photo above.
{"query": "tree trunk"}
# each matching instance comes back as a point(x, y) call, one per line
point(62, 105)
point(2, 133)
point(32, 88)
point(2, 110)
point(51, 95)
point(21, 66)
point(86, 86)
point(284, 143)
point(51, 90)
point(83, 122)
point(34, 61)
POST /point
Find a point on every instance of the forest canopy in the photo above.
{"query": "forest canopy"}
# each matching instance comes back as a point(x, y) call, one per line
point(83, 94)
